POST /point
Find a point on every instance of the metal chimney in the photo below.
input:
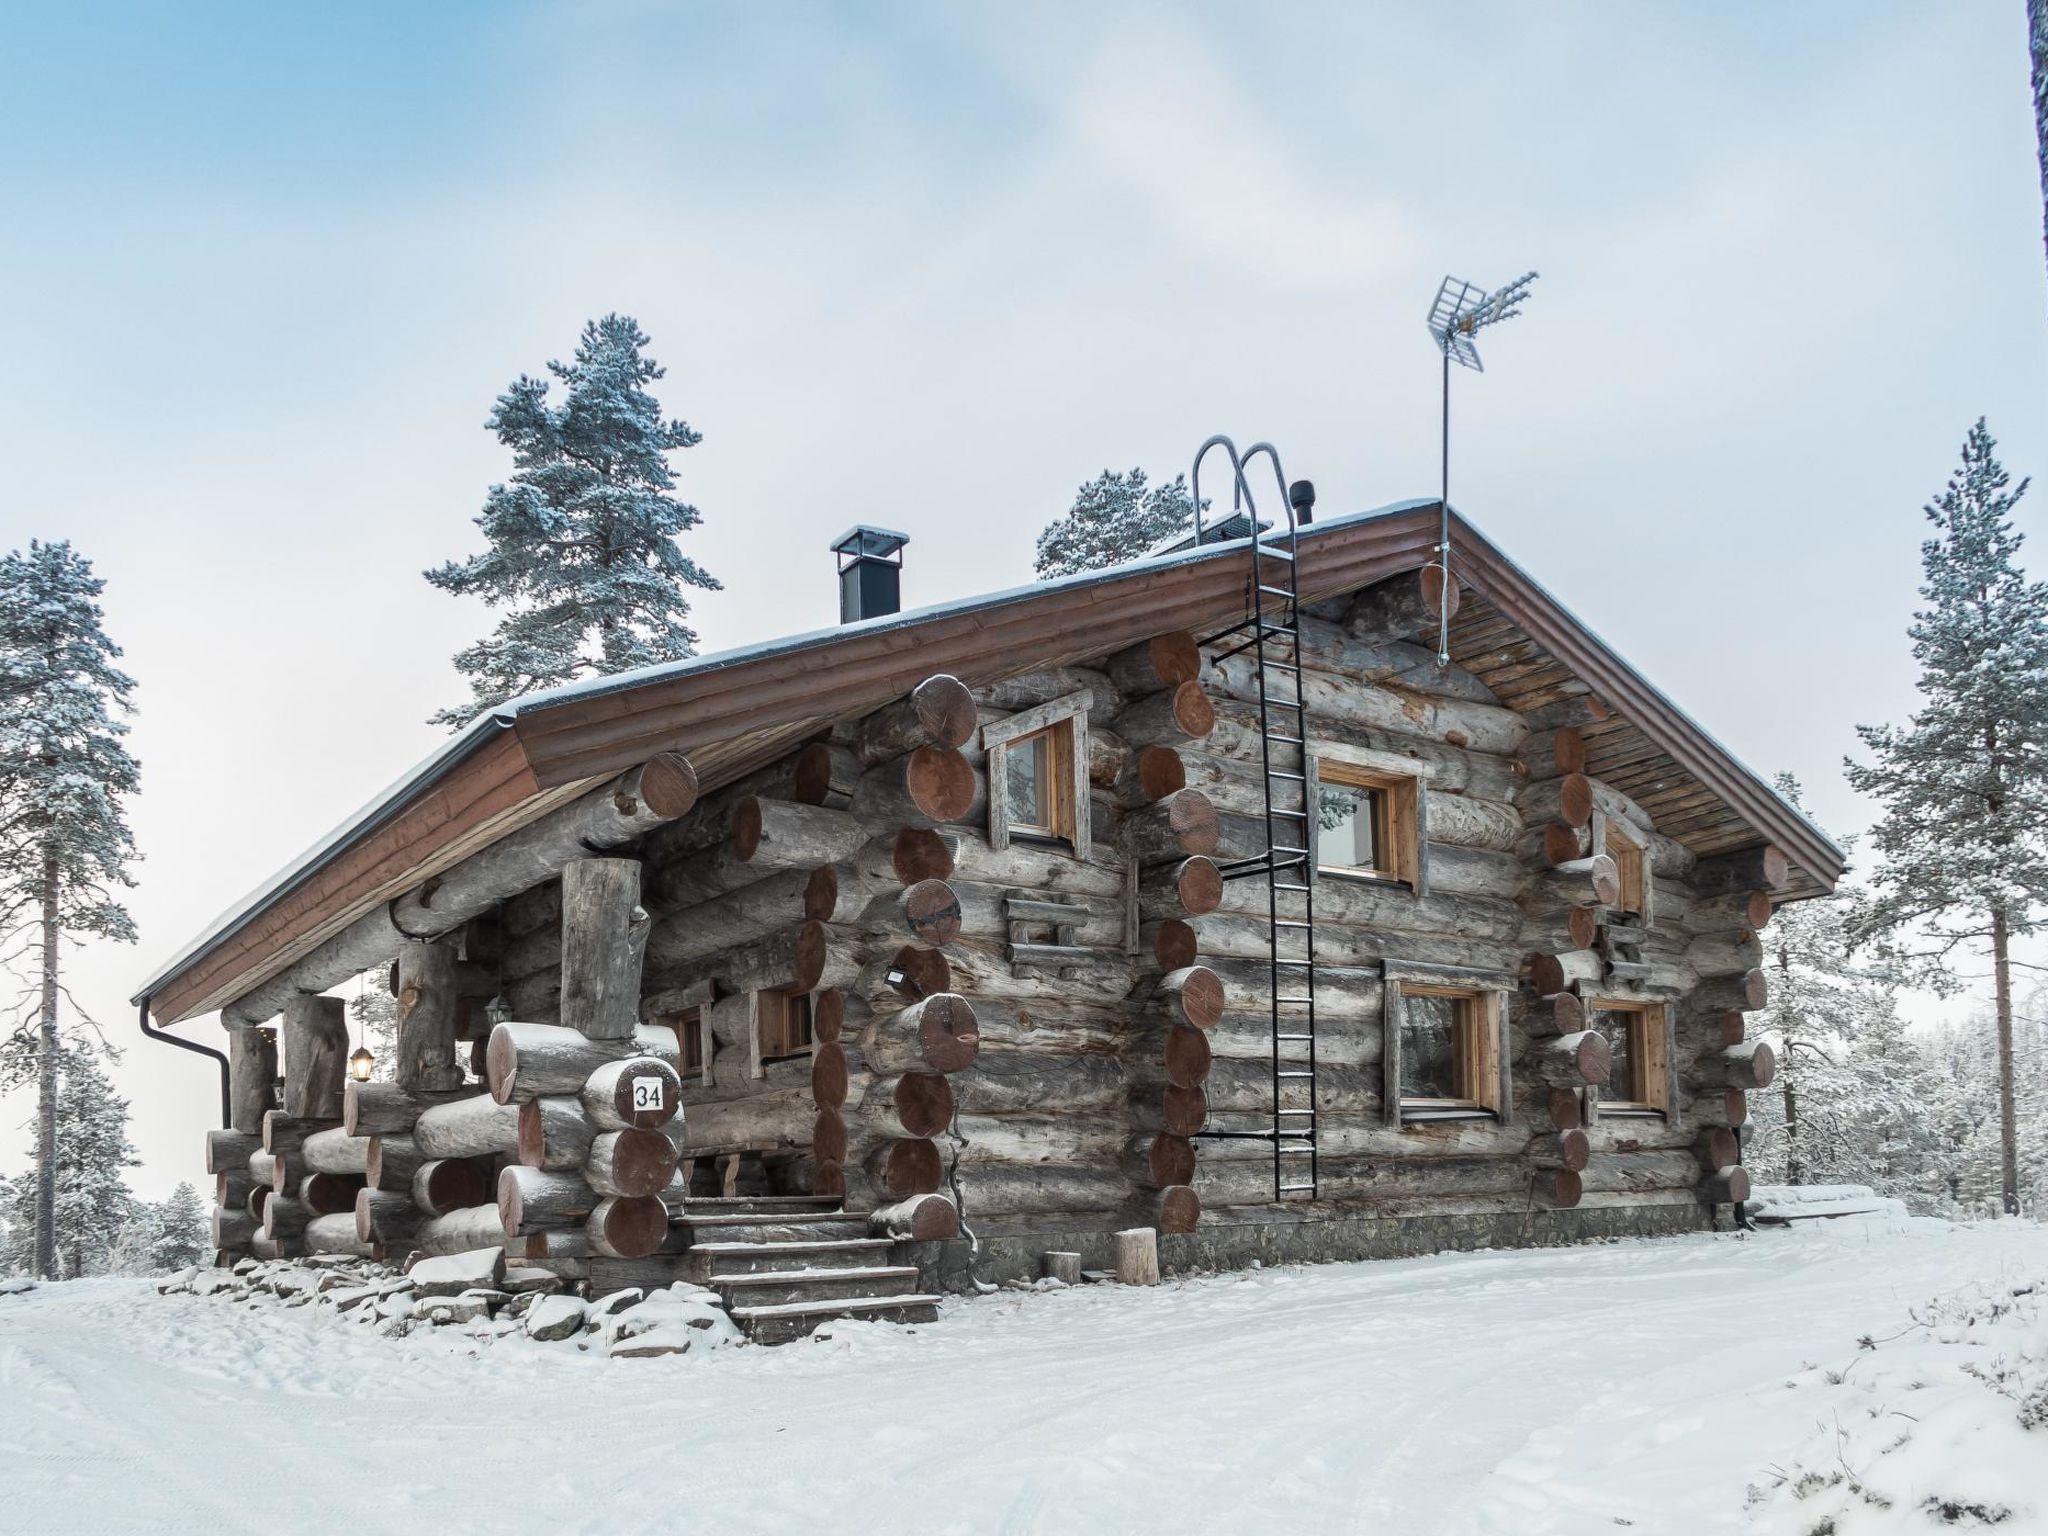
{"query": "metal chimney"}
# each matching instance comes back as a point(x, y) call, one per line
point(870, 572)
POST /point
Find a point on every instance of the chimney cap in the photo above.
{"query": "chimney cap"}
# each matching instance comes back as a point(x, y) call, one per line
point(864, 541)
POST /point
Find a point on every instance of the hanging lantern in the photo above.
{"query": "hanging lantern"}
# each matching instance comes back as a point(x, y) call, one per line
point(497, 1010)
point(361, 1064)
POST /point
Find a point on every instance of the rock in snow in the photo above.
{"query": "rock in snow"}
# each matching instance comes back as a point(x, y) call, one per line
point(555, 1317)
point(454, 1273)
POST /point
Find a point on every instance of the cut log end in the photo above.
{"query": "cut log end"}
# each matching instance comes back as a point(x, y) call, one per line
point(745, 833)
point(924, 1103)
point(946, 710)
point(1174, 945)
point(920, 1219)
point(1193, 710)
point(940, 783)
point(1195, 995)
point(668, 785)
point(1161, 772)
point(828, 1136)
point(920, 854)
point(948, 1032)
point(1717, 1149)
point(1177, 1209)
point(931, 909)
point(1200, 884)
point(828, 1075)
point(625, 1227)
point(907, 1166)
point(1558, 1188)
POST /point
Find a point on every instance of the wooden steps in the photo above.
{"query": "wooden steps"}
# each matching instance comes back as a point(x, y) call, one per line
point(785, 1265)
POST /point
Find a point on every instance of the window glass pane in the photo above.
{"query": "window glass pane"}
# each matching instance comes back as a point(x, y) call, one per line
point(1430, 1027)
point(1029, 770)
point(1616, 1025)
point(1347, 827)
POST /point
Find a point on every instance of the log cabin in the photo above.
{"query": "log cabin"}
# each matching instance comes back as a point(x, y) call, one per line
point(1273, 893)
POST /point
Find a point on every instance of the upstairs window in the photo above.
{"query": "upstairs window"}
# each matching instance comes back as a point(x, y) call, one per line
point(1038, 773)
point(782, 1025)
point(1639, 1050)
point(1633, 865)
point(689, 1031)
point(1443, 1057)
point(1038, 781)
point(1367, 822)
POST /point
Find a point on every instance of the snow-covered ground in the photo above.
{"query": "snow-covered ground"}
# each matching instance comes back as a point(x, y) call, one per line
point(1638, 1386)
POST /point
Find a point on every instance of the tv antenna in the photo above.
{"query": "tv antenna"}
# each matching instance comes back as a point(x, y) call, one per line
point(1461, 311)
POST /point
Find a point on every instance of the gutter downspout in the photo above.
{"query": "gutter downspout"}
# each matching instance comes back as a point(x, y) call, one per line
point(226, 1115)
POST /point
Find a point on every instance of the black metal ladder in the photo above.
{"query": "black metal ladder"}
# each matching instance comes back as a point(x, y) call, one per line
point(1271, 634)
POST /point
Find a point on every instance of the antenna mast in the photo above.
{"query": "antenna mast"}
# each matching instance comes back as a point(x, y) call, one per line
point(1460, 312)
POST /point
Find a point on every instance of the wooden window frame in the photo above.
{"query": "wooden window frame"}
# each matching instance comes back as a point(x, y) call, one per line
point(1400, 784)
point(775, 1013)
point(1631, 854)
point(1650, 1058)
point(688, 1013)
point(1484, 1067)
point(1064, 722)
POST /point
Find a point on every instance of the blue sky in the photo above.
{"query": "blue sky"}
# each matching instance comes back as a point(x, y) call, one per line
point(932, 266)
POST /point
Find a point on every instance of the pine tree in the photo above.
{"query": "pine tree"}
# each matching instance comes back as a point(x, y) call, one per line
point(64, 839)
point(89, 1192)
point(1964, 834)
point(1114, 519)
point(583, 553)
point(182, 1237)
point(1831, 1119)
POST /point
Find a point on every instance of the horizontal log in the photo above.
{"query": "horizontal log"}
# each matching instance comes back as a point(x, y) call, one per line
point(1727, 1187)
point(1173, 1111)
point(1717, 1148)
point(631, 1162)
point(232, 1228)
point(923, 1218)
point(620, 812)
point(1403, 606)
point(1568, 799)
point(1159, 1161)
point(1592, 881)
point(939, 712)
point(1553, 974)
point(284, 1133)
point(1170, 830)
point(925, 788)
point(936, 1034)
point(686, 934)
point(526, 1061)
point(335, 1151)
point(1749, 1065)
point(468, 1127)
point(1553, 753)
point(1725, 954)
point(904, 1166)
point(1744, 993)
point(386, 1217)
point(793, 960)
point(327, 1194)
point(637, 1093)
point(392, 1161)
point(451, 1183)
point(1170, 1053)
point(530, 1200)
point(1014, 1082)
point(1155, 666)
point(1570, 1148)
point(1761, 868)
point(1558, 1188)
point(781, 1117)
point(1172, 718)
point(1174, 1209)
point(385, 1109)
point(284, 1217)
point(336, 1233)
point(1731, 910)
point(1570, 1060)
point(228, 1151)
point(1007, 1190)
point(1727, 1107)
point(765, 837)
point(908, 1104)
point(625, 1228)
point(463, 1231)
point(553, 1132)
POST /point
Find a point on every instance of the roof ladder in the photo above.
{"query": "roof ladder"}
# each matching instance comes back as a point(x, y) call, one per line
point(1271, 635)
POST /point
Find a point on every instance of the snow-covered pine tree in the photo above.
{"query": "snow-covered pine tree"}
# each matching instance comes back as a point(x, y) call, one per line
point(182, 1235)
point(1964, 835)
point(1114, 520)
point(583, 553)
point(1830, 1117)
point(90, 1191)
point(64, 840)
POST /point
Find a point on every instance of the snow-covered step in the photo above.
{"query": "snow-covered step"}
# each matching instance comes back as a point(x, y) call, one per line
point(704, 1260)
point(764, 1226)
point(741, 1204)
point(778, 1287)
point(792, 1320)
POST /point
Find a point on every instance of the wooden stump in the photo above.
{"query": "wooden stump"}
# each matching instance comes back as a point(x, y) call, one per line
point(1137, 1256)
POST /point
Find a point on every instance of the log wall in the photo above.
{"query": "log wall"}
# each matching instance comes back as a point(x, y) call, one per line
point(1015, 1034)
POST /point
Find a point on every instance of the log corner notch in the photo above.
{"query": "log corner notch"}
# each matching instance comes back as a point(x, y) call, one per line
point(1402, 607)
